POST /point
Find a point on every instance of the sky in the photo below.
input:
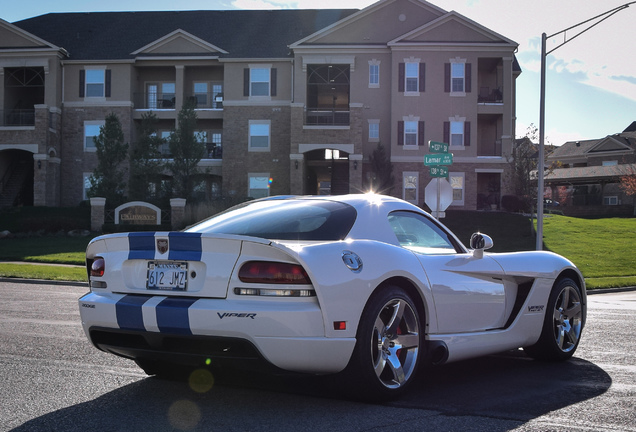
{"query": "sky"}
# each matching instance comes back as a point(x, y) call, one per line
point(590, 81)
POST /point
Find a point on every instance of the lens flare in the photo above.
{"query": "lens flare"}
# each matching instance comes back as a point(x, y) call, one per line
point(201, 380)
point(184, 415)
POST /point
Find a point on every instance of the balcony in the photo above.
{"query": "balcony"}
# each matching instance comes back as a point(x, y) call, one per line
point(488, 95)
point(154, 101)
point(210, 100)
point(326, 117)
point(489, 149)
point(17, 117)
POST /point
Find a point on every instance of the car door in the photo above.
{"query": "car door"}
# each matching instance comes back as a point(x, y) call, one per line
point(468, 292)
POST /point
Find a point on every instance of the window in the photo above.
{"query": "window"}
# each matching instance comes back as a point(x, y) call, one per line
point(610, 163)
point(420, 234)
point(457, 181)
point(258, 185)
point(456, 134)
point(410, 182)
point(201, 94)
point(412, 77)
point(610, 200)
point(410, 133)
point(457, 77)
point(160, 95)
point(259, 135)
point(374, 74)
point(374, 130)
point(91, 131)
point(95, 82)
point(259, 82)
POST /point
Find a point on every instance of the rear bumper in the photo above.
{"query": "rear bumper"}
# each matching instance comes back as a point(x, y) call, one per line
point(287, 335)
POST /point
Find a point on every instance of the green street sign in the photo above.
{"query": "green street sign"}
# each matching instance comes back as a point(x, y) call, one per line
point(438, 159)
point(437, 147)
point(438, 171)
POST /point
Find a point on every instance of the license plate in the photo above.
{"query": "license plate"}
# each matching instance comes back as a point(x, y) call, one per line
point(167, 275)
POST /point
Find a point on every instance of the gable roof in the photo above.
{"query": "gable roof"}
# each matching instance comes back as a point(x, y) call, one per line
point(241, 33)
point(13, 37)
point(611, 143)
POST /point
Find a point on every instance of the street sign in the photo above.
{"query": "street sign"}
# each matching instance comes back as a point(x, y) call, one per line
point(438, 195)
point(437, 147)
point(438, 171)
point(438, 159)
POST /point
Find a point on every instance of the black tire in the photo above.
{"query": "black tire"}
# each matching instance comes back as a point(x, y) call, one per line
point(562, 325)
point(389, 346)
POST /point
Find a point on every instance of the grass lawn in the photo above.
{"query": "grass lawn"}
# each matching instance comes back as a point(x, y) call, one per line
point(602, 248)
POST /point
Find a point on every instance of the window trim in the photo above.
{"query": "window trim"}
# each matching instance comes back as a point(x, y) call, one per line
point(374, 76)
point(84, 82)
point(269, 135)
point(250, 176)
point(100, 124)
point(375, 125)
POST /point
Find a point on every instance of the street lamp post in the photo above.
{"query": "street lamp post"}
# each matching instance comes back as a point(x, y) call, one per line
point(544, 54)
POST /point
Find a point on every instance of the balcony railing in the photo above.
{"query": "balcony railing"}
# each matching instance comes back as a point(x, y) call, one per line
point(489, 148)
point(213, 151)
point(488, 95)
point(208, 100)
point(17, 117)
point(326, 117)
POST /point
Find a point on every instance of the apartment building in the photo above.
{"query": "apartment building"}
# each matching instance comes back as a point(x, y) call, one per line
point(287, 101)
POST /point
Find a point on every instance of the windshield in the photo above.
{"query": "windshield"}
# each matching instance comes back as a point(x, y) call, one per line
point(284, 220)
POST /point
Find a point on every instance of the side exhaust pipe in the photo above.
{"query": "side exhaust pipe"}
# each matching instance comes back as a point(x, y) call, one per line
point(437, 352)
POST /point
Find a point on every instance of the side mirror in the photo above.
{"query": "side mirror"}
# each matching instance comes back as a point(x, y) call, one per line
point(480, 242)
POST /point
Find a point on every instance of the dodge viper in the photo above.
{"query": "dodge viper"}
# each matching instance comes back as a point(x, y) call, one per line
point(367, 286)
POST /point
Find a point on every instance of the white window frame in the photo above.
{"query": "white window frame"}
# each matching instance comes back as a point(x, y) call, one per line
point(268, 83)
point(91, 124)
point(610, 200)
point(198, 93)
point(457, 181)
point(458, 77)
point(413, 75)
point(374, 73)
point(92, 81)
point(410, 129)
point(254, 179)
point(407, 176)
point(456, 130)
point(254, 126)
point(374, 130)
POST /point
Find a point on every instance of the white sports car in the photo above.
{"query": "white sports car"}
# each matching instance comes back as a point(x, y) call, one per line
point(367, 285)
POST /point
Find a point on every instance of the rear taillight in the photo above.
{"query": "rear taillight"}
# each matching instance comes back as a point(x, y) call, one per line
point(97, 267)
point(266, 272)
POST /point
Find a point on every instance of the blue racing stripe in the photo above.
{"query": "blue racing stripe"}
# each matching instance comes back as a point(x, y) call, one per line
point(172, 315)
point(141, 245)
point(128, 311)
point(185, 246)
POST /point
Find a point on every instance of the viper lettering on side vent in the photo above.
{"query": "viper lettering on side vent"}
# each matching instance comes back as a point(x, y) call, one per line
point(236, 315)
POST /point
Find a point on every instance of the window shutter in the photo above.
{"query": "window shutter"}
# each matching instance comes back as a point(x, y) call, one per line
point(466, 134)
point(422, 84)
point(400, 140)
point(82, 82)
point(401, 77)
point(447, 132)
point(246, 82)
point(467, 77)
point(272, 78)
point(420, 133)
point(107, 83)
point(447, 77)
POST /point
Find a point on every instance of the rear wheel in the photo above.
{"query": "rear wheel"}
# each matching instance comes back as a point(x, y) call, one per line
point(388, 347)
point(562, 325)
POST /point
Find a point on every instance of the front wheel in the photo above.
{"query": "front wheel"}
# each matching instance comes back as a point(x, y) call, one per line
point(562, 325)
point(388, 346)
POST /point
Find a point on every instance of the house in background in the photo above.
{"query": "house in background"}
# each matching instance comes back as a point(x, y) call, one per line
point(587, 178)
point(288, 101)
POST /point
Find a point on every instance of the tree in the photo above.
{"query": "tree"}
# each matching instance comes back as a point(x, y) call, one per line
point(382, 178)
point(107, 180)
point(146, 160)
point(187, 151)
point(628, 181)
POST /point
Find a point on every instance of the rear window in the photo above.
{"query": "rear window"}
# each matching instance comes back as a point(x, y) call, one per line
point(284, 220)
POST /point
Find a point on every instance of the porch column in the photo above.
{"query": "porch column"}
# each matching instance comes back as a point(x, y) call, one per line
point(179, 87)
point(40, 169)
point(98, 206)
point(177, 213)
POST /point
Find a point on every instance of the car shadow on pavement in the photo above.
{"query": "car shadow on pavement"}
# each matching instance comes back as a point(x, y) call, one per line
point(509, 388)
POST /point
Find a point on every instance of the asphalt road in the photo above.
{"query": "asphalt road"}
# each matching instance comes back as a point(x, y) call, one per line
point(52, 379)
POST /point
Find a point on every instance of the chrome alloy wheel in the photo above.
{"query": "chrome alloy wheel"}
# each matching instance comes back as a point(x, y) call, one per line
point(568, 318)
point(395, 343)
